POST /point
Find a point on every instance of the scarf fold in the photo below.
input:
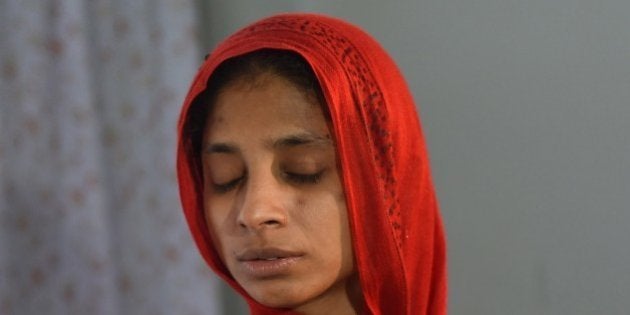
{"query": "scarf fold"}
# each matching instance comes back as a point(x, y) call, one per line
point(397, 233)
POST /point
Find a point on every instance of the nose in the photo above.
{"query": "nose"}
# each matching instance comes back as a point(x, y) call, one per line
point(263, 204)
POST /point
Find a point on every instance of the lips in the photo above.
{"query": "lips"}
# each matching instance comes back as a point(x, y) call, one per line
point(264, 263)
point(268, 254)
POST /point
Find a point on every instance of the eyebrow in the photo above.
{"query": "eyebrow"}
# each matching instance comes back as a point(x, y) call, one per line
point(284, 142)
point(305, 138)
point(221, 148)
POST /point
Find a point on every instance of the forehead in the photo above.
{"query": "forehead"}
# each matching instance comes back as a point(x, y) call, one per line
point(266, 105)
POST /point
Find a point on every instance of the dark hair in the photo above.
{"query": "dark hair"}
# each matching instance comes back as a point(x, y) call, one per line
point(248, 68)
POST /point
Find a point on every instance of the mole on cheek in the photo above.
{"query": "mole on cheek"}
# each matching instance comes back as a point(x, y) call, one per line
point(219, 119)
point(300, 202)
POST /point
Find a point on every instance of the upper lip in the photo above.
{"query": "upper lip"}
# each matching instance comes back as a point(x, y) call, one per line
point(265, 253)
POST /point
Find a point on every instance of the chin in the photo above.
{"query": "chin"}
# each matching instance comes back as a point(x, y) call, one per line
point(298, 295)
point(277, 296)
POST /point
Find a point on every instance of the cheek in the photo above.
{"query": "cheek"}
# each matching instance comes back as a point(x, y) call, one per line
point(324, 220)
point(330, 238)
point(217, 208)
point(216, 217)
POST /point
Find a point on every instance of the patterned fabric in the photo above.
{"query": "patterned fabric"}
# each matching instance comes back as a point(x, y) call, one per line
point(384, 164)
point(89, 215)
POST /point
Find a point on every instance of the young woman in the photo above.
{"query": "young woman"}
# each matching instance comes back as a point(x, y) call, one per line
point(304, 176)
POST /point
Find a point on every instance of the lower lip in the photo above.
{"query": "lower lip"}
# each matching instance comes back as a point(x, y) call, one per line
point(269, 268)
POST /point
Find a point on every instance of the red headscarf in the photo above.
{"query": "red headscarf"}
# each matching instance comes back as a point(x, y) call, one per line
point(396, 229)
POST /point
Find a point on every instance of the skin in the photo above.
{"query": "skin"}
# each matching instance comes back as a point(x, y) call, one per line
point(271, 181)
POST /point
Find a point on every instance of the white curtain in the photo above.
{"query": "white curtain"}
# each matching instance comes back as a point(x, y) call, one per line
point(90, 220)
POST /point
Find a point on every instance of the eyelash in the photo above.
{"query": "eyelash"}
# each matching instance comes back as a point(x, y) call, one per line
point(224, 188)
point(292, 177)
point(304, 178)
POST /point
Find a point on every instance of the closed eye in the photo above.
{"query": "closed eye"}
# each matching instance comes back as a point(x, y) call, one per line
point(226, 187)
point(298, 178)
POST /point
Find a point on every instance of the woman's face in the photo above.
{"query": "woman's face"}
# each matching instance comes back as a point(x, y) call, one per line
point(273, 198)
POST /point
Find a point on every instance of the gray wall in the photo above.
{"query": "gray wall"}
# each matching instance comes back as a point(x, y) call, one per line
point(526, 108)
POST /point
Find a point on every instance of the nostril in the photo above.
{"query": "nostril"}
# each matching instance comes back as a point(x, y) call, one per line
point(259, 224)
point(271, 223)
